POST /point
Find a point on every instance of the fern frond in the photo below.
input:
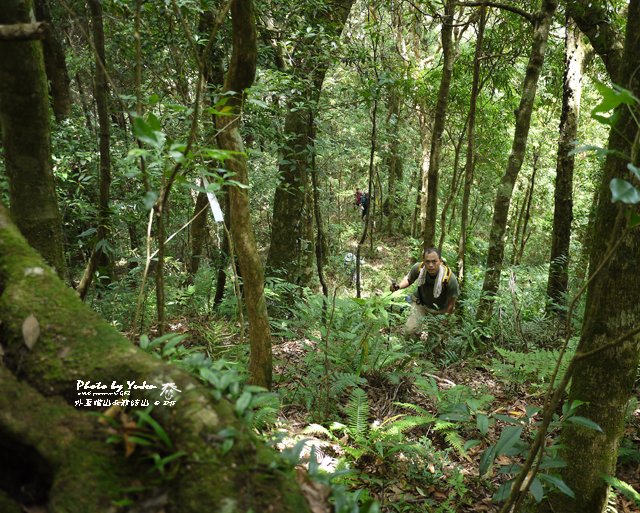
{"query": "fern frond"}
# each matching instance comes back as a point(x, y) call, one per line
point(357, 410)
point(317, 429)
point(414, 408)
point(409, 422)
point(457, 442)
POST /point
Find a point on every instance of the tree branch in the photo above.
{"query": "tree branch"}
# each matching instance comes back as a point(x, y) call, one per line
point(528, 16)
point(23, 31)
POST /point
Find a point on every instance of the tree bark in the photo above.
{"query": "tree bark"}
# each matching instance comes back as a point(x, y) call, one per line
point(24, 117)
point(514, 164)
point(524, 236)
point(291, 251)
point(240, 76)
point(470, 161)
point(563, 207)
point(429, 233)
point(55, 64)
point(100, 256)
point(75, 343)
point(606, 379)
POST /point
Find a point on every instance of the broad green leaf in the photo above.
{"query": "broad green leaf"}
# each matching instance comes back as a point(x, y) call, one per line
point(508, 419)
point(623, 191)
point(503, 492)
point(150, 198)
point(612, 97)
point(482, 422)
point(634, 170)
point(634, 219)
point(509, 436)
point(242, 402)
point(486, 460)
point(558, 483)
point(536, 489)
point(583, 421)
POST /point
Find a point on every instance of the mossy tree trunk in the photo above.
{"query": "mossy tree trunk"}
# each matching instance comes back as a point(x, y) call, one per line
point(75, 343)
point(605, 380)
point(495, 256)
point(240, 76)
point(563, 206)
point(292, 243)
point(55, 64)
point(24, 117)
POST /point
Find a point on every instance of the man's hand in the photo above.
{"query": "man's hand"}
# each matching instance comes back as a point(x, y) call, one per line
point(394, 286)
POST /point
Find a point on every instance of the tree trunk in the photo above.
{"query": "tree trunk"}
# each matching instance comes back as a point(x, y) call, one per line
point(24, 117)
point(527, 210)
point(198, 232)
point(605, 380)
point(55, 64)
point(394, 163)
point(470, 161)
point(240, 76)
point(86, 474)
point(563, 210)
point(291, 251)
point(505, 189)
point(100, 256)
point(429, 233)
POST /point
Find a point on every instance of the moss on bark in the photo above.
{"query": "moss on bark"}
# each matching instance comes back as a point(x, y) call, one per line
point(74, 343)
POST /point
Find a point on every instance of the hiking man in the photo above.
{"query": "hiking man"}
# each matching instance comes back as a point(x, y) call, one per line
point(436, 292)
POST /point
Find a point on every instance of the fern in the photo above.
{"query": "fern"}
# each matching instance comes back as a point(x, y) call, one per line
point(343, 381)
point(357, 410)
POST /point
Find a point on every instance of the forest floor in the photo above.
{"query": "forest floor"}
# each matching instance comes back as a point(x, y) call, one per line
point(387, 480)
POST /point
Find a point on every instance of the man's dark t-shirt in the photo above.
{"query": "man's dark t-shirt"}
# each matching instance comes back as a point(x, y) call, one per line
point(424, 293)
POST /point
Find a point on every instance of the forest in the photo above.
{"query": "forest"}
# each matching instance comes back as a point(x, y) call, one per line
point(324, 256)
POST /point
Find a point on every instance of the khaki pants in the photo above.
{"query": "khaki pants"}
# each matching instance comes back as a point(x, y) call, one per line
point(413, 326)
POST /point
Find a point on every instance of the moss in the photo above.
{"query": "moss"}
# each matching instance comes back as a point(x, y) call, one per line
point(74, 344)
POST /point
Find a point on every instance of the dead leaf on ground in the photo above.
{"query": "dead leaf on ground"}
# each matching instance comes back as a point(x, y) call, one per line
point(30, 331)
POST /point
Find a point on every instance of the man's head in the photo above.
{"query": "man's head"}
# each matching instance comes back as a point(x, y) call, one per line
point(432, 260)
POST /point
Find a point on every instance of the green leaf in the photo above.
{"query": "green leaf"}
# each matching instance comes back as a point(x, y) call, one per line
point(634, 219)
point(583, 421)
point(557, 483)
point(612, 97)
point(503, 492)
point(509, 436)
point(243, 402)
point(482, 421)
point(635, 170)
point(157, 428)
point(146, 133)
point(536, 489)
point(623, 191)
point(486, 460)
point(150, 198)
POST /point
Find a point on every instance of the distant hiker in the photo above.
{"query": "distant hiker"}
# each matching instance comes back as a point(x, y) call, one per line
point(350, 266)
point(358, 197)
point(364, 204)
point(436, 292)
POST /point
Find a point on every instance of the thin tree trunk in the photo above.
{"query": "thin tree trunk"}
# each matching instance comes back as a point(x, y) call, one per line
point(55, 64)
point(453, 191)
point(470, 162)
point(505, 189)
point(198, 232)
point(101, 257)
point(224, 253)
point(240, 75)
point(527, 212)
point(563, 209)
point(429, 233)
point(394, 163)
point(24, 117)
